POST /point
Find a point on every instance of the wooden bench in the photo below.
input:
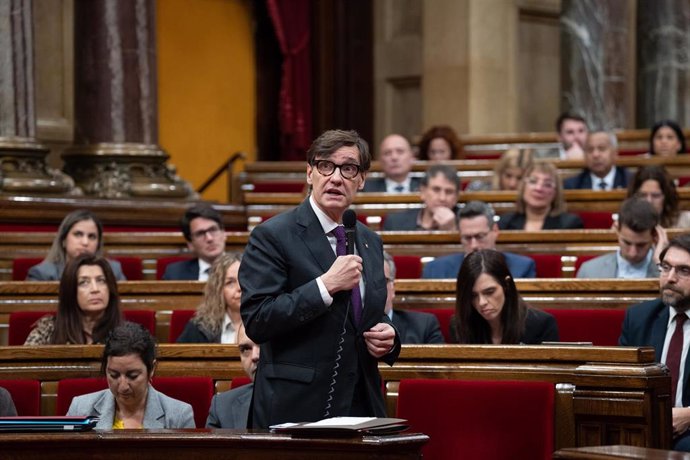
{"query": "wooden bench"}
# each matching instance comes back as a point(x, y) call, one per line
point(165, 296)
point(604, 394)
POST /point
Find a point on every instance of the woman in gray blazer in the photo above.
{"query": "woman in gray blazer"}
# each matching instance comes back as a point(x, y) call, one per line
point(128, 362)
point(80, 232)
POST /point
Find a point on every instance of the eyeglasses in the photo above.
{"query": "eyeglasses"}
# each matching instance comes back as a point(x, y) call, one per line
point(327, 168)
point(682, 271)
point(212, 231)
point(534, 181)
point(479, 237)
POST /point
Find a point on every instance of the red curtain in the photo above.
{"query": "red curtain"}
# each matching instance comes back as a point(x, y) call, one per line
point(291, 21)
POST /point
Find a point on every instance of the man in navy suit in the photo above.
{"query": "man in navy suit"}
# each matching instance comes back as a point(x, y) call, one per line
point(319, 318)
point(202, 227)
point(478, 230)
point(601, 173)
point(230, 409)
point(655, 323)
point(413, 326)
point(396, 159)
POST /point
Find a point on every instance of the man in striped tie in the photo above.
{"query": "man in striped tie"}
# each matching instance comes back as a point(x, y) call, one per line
point(662, 323)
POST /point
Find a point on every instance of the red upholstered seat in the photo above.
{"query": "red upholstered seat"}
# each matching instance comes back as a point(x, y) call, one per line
point(443, 315)
point(21, 322)
point(408, 267)
point(683, 181)
point(239, 381)
point(69, 388)
point(596, 219)
point(480, 419)
point(602, 327)
point(197, 391)
point(581, 260)
point(132, 267)
point(178, 320)
point(26, 395)
point(21, 266)
point(548, 265)
point(164, 262)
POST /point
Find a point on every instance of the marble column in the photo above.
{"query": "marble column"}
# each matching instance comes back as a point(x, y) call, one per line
point(23, 169)
point(597, 77)
point(663, 71)
point(116, 152)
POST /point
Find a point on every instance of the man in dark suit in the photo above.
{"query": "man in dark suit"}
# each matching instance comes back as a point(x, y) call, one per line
point(601, 173)
point(319, 318)
point(478, 230)
point(396, 159)
point(657, 323)
point(202, 227)
point(413, 326)
point(439, 195)
point(230, 409)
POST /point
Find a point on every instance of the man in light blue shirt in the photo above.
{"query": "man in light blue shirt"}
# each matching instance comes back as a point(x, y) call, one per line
point(640, 239)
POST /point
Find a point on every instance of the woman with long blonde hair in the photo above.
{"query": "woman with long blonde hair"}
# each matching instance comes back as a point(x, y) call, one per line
point(217, 319)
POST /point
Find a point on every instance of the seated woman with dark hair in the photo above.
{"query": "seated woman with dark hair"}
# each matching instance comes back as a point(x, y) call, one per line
point(439, 143)
point(217, 319)
point(540, 202)
point(128, 362)
point(654, 184)
point(666, 139)
point(80, 232)
point(88, 305)
point(489, 309)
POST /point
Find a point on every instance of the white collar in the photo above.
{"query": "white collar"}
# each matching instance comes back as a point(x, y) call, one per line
point(327, 224)
point(609, 179)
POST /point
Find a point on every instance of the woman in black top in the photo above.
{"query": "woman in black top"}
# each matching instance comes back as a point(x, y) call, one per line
point(489, 309)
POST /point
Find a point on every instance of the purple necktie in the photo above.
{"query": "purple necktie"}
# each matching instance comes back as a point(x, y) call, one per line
point(341, 250)
point(675, 350)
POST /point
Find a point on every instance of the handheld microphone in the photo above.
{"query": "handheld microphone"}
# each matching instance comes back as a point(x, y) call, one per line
point(350, 222)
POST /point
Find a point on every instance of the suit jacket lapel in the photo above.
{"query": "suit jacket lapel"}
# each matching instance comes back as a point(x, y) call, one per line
point(104, 408)
point(154, 415)
point(313, 237)
point(365, 250)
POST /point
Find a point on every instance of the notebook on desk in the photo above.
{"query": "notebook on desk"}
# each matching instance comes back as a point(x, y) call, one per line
point(47, 423)
point(343, 427)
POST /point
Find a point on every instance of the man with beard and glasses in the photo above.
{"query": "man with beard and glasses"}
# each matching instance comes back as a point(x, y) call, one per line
point(661, 323)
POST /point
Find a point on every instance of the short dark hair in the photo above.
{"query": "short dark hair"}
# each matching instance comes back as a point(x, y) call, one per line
point(477, 208)
point(68, 321)
point(469, 325)
point(638, 215)
point(680, 242)
point(204, 210)
point(568, 116)
point(668, 124)
point(449, 172)
point(130, 338)
point(329, 141)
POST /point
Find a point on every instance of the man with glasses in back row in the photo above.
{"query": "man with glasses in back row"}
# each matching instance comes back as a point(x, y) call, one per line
point(477, 231)
point(662, 323)
point(202, 227)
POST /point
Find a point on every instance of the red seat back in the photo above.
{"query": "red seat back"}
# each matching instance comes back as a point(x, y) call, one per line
point(581, 260)
point(178, 320)
point(443, 315)
point(197, 391)
point(69, 388)
point(596, 219)
point(146, 318)
point(408, 267)
point(480, 419)
point(602, 327)
point(26, 395)
point(239, 381)
point(21, 266)
point(132, 268)
point(164, 262)
point(548, 265)
point(21, 323)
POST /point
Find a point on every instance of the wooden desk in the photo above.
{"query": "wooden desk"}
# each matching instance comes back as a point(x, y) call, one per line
point(618, 453)
point(202, 444)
